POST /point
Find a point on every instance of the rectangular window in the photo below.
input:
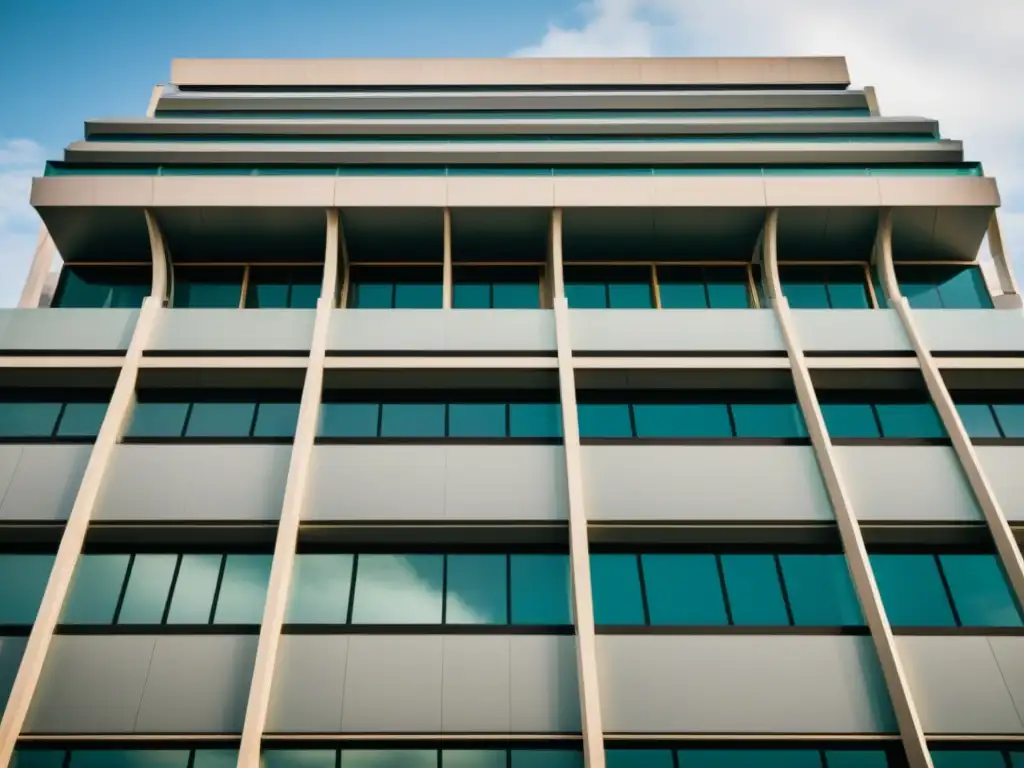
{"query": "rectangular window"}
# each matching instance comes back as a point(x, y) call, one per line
point(56, 415)
point(888, 417)
point(993, 420)
point(738, 589)
point(947, 590)
point(395, 287)
point(167, 588)
point(484, 755)
point(739, 755)
point(283, 287)
point(478, 589)
point(838, 286)
point(103, 286)
point(23, 579)
point(101, 757)
point(505, 287)
point(599, 287)
point(208, 287)
point(704, 287)
point(934, 286)
point(214, 415)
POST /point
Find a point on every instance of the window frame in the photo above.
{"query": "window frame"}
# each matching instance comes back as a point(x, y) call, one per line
point(922, 267)
point(416, 271)
point(192, 397)
point(990, 400)
point(873, 399)
point(62, 398)
point(870, 289)
point(68, 267)
point(288, 268)
point(537, 268)
point(655, 279)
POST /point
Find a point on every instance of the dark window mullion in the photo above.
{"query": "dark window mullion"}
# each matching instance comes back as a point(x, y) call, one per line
point(725, 592)
point(822, 758)
point(394, 295)
point(643, 591)
point(252, 423)
point(188, 418)
point(785, 591)
point(675, 758)
point(124, 588)
point(447, 416)
point(444, 589)
point(607, 296)
point(380, 418)
point(337, 758)
point(216, 590)
point(170, 591)
point(732, 418)
point(191, 758)
point(949, 592)
point(352, 589)
point(878, 420)
point(508, 589)
point(707, 290)
point(490, 294)
point(508, 420)
point(66, 762)
point(60, 418)
point(995, 418)
point(632, 420)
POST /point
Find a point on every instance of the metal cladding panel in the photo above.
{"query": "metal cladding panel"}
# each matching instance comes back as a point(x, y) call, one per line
point(972, 330)
point(11, 651)
point(66, 331)
point(41, 480)
point(234, 330)
point(309, 684)
point(850, 330)
point(1002, 465)
point(675, 330)
point(545, 690)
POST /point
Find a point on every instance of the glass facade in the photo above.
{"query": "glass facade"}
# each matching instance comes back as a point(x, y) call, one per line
point(695, 420)
point(826, 287)
point(943, 287)
point(35, 415)
point(214, 415)
point(851, 418)
point(108, 286)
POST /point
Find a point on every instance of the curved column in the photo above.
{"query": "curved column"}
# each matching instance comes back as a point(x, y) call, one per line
point(118, 411)
point(579, 545)
point(291, 510)
point(1009, 291)
point(870, 600)
point(42, 259)
point(1002, 536)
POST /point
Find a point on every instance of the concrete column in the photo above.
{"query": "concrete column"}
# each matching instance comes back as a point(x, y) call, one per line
point(118, 412)
point(446, 296)
point(869, 94)
point(870, 600)
point(1002, 536)
point(39, 271)
point(154, 99)
point(579, 547)
point(296, 486)
point(1009, 296)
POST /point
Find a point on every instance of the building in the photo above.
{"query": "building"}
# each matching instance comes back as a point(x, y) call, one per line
point(532, 413)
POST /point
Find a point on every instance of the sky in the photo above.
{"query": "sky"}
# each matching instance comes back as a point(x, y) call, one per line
point(64, 62)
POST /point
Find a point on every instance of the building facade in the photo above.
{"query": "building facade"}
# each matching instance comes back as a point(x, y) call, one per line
point(531, 413)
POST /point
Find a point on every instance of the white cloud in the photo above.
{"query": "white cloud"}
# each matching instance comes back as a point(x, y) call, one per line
point(959, 63)
point(20, 160)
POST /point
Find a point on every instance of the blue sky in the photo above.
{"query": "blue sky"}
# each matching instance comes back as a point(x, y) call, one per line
point(62, 62)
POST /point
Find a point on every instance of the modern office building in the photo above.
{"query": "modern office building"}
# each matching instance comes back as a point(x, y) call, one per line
point(513, 413)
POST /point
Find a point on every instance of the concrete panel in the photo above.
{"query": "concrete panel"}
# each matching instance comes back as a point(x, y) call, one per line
point(393, 684)
point(90, 191)
point(510, 191)
point(66, 330)
point(906, 482)
point(1003, 465)
point(674, 330)
point(254, 191)
point(931, 190)
point(792, 192)
point(505, 482)
point(377, 482)
point(528, 330)
point(234, 330)
point(709, 191)
point(194, 482)
point(690, 482)
point(958, 686)
point(850, 330)
point(1009, 653)
point(476, 684)
point(390, 191)
point(625, 192)
point(45, 481)
point(741, 684)
point(197, 684)
point(370, 330)
point(971, 330)
point(11, 651)
point(309, 684)
point(545, 692)
point(10, 455)
point(91, 684)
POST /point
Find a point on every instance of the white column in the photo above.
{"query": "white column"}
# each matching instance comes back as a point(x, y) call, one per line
point(864, 584)
point(579, 547)
point(1002, 536)
point(446, 296)
point(42, 261)
point(154, 100)
point(1009, 291)
point(291, 511)
point(118, 412)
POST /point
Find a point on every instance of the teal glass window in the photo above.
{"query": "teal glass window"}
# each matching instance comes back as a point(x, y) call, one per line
point(56, 415)
point(95, 589)
point(681, 295)
point(476, 420)
point(856, 758)
point(504, 287)
point(349, 419)
point(474, 758)
point(727, 295)
point(980, 592)
point(215, 758)
point(220, 419)
point(398, 589)
point(157, 419)
point(682, 420)
point(696, 287)
point(540, 589)
point(820, 590)
point(418, 296)
point(283, 287)
point(477, 589)
point(27, 419)
point(596, 287)
point(1011, 419)
point(604, 420)
point(967, 758)
point(741, 758)
point(194, 589)
point(412, 420)
point(639, 758)
point(220, 415)
point(243, 589)
point(850, 420)
point(615, 582)
point(320, 589)
point(149, 585)
point(81, 419)
point(912, 590)
point(754, 590)
point(372, 296)
point(934, 286)
point(978, 420)
point(276, 420)
point(129, 758)
point(515, 296)
point(839, 286)
point(545, 758)
point(389, 758)
point(37, 758)
point(909, 420)
point(586, 295)
point(22, 583)
point(683, 589)
point(888, 420)
point(768, 420)
point(472, 296)
point(102, 287)
point(395, 287)
point(630, 296)
point(298, 758)
point(208, 287)
point(536, 420)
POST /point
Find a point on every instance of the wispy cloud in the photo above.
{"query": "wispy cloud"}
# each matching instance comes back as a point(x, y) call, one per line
point(960, 63)
point(20, 160)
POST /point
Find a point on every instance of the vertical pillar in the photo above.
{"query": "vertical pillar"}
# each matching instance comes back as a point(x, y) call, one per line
point(870, 600)
point(579, 547)
point(1009, 291)
point(872, 98)
point(118, 411)
point(39, 271)
point(291, 511)
point(154, 100)
point(999, 528)
point(446, 299)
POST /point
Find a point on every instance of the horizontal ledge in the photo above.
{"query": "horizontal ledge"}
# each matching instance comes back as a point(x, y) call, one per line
point(243, 360)
point(432, 354)
point(898, 631)
point(680, 353)
point(428, 629)
point(438, 441)
point(883, 355)
point(680, 362)
point(734, 441)
point(891, 441)
point(57, 359)
point(756, 739)
point(386, 739)
point(290, 353)
point(158, 629)
point(399, 361)
point(732, 629)
point(451, 536)
point(207, 440)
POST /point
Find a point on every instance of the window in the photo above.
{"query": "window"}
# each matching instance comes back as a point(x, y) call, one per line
point(158, 588)
point(737, 589)
point(737, 756)
point(943, 287)
point(849, 417)
point(383, 287)
point(469, 416)
point(496, 287)
point(23, 580)
point(249, 286)
point(471, 588)
point(948, 757)
point(994, 421)
point(596, 287)
point(98, 757)
point(486, 755)
point(686, 287)
point(208, 287)
point(106, 286)
point(52, 416)
point(214, 415)
point(283, 288)
point(698, 417)
point(945, 590)
point(839, 286)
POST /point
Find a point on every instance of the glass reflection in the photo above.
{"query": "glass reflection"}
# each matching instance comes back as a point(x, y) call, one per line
point(193, 591)
point(820, 591)
point(540, 589)
point(755, 594)
point(22, 583)
point(95, 588)
point(683, 589)
point(129, 758)
point(477, 590)
point(320, 589)
point(81, 419)
point(616, 588)
point(967, 758)
point(740, 758)
point(298, 758)
point(398, 589)
point(980, 592)
point(638, 758)
point(38, 758)
point(912, 590)
point(148, 588)
point(860, 758)
point(215, 758)
point(243, 590)
point(389, 758)
point(473, 758)
point(546, 758)
point(28, 419)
